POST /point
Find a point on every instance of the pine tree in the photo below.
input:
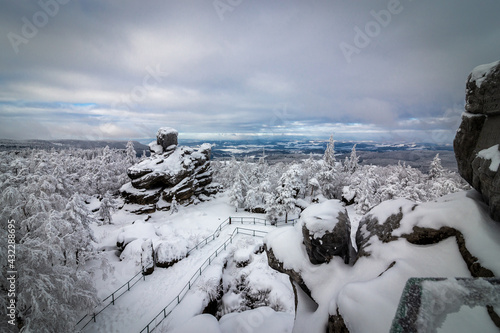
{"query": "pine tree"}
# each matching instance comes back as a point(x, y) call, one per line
point(352, 162)
point(329, 156)
point(106, 209)
point(174, 206)
point(131, 153)
point(436, 170)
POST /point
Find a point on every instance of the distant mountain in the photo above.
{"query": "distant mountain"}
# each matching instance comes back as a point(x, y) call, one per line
point(65, 144)
point(417, 155)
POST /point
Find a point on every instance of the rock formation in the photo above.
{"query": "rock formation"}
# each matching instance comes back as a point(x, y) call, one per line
point(396, 240)
point(477, 140)
point(170, 171)
point(326, 231)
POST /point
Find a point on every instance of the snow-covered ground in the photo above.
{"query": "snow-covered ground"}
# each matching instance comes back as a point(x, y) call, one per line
point(184, 230)
point(367, 293)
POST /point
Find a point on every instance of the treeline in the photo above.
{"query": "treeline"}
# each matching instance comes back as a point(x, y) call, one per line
point(43, 193)
point(283, 189)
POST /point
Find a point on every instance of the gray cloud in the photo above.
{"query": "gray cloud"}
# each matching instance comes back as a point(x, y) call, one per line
point(266, 66)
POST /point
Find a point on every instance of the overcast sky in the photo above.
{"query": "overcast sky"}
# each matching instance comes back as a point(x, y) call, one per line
point(380, 70)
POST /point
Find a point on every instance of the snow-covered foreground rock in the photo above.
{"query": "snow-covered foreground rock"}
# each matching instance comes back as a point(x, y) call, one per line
point(244, 288)
point(450, 237)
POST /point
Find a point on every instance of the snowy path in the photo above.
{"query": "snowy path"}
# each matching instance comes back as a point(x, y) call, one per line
point(136, 308)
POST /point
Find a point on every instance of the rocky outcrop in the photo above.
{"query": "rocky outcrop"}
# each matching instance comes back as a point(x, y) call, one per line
point(396, 240)
point(277, 265)
point(479, 132)
point(370, 226)
point(326, 231)
point(170, 171)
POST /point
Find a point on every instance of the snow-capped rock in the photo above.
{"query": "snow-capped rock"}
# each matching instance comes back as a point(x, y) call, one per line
point(450, 237)
point(327, 232)
point(180, 172)
point(479, 132)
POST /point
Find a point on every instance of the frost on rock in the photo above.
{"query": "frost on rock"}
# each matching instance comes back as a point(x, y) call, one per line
point(181, 172)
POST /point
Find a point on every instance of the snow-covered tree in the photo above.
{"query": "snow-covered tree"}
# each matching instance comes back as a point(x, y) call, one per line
point(131, 153)
point(329, 156)
point(352, 162)
point(106, 209)
point(436, 170)
point(238, 192)
point(174, 206)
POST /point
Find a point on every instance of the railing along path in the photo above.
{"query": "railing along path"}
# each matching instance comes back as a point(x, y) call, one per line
point(127, 286)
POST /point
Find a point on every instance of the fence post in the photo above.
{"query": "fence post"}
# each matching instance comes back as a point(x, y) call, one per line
point(113, 298)
point(128, 285)
point(229, 219)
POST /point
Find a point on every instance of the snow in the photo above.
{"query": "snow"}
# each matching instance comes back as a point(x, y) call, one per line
point(391, 207)
point(162, 131)
point(442, 298)
point(366, 294)
point(243, 255)
point(370, 289)
point(260, 320)
point(465, 212)
point(322, 218)
point(493, 154)
point(201, 323)
point(168, 251)
point(348, 193)
point(469, 319)
point(155, 148)
point(481, 72)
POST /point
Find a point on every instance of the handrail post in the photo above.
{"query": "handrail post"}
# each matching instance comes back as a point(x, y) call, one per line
point(113, 298)
point(229, 219)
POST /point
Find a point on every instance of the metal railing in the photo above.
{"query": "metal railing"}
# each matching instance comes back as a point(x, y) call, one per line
point(111, 299)
point(167, 310)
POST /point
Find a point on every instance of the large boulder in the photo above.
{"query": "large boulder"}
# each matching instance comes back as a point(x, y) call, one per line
point(477, 140)
point(181, 172)
point(326, 229)
point(166, 140)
